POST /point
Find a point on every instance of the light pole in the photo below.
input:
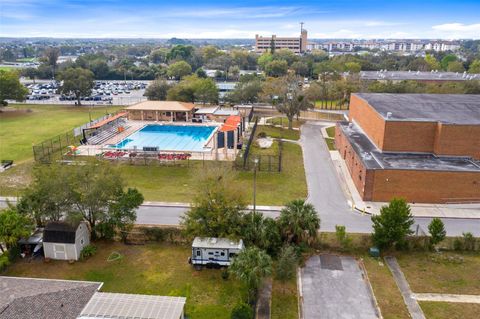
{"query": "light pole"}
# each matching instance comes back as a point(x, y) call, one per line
point(255, 185)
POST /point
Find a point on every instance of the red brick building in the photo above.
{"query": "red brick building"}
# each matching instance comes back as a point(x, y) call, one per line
point(422, 147)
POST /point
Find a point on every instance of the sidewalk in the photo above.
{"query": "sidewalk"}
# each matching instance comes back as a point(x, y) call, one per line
point(264, 208)
point(463, 211)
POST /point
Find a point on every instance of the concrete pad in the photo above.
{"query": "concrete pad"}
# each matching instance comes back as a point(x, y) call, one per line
point(335, 287)
point(447, 297)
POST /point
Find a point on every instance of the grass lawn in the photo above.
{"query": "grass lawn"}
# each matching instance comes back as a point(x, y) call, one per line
point(278, 132)
point(159, 269)
point(385, 289)
point(437, 273)
point(331, 131)
point(283, 121)
point(447, 310)
point(330, 143)
point(8, 68)
point(176, 184)
point(284, 300)
point(30, 124)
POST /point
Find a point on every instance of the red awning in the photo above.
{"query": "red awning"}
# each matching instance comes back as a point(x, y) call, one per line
point(231, 123)
point(108, 120)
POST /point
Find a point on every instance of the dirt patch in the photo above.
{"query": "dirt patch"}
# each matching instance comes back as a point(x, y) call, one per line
point(10, 112)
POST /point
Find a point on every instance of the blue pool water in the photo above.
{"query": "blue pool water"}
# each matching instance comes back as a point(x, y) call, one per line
point(168, 138)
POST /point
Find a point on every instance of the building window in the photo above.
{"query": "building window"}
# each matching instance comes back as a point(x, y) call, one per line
point(169, 113)
point(222, 254)
point(81, 241)
point(210, 253)
point(198, 252)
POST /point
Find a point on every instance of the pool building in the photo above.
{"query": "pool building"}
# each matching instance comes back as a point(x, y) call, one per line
point(169, 130)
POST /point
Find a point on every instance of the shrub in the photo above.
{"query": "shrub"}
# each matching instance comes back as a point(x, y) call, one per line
point(436, 228)
point(164, 234)
point(343, 239)
point(287, 264)
point(105, 231)
point(87, 252)
point(225, 274)
point(4, 262)
point(262, 135)
point(458, 244)
point(242, 311)
point(468, 241)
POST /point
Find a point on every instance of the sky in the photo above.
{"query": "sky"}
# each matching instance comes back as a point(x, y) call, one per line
point(360, 19)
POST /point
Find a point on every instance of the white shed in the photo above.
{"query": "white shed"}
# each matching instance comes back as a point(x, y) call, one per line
point(65, 241)
point(215, 251)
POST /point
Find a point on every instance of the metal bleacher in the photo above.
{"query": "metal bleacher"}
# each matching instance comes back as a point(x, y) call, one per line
point(105, 133)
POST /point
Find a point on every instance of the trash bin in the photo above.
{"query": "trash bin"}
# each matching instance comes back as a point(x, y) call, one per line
point(374, 252)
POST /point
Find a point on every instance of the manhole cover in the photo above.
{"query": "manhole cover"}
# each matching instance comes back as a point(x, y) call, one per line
point(331, 262)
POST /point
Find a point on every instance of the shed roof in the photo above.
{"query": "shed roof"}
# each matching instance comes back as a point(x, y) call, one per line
point(22, 298)
point(128, 306)
point(173, 106)
point(231, 124)
point(213, 242)
point(445, 108)
point(207, 110)
point(60, 232)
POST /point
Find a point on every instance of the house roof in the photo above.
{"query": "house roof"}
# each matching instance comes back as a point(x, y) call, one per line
point(212, 242)
point(444, 108)
point(173, 106)
point(22, 298)
point(128, 306)
point(60, 232)
point(231, 124)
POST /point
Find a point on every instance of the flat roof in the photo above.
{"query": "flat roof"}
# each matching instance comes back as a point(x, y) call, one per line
point(174, 106)
point(445, 108)
point(129, 306)
point(212, 242)
point(373, 158)
point(207, 110)
point(417, 75)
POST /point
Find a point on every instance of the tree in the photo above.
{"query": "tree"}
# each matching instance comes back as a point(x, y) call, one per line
point(122, 214)
point(261, 231)
point(393, 224)
point(276, 68)
point(179, 69)
point(436, 228)
point(286, 264)
point(10, 87)
point(474, 66)
point(446, 60)
point(287, 96)
point(218, 206)
point(455, 66)
point(299, 222)
point(52, 54)
point(301, 68)
point(77, 81)
point(159, 56)
point(246, 92)
point(205, 91)
point(30, 73)
point(201, 73)
point(157, 90)
point(250, 266)
point(353, 67)
point(181, 52)
point(264, 59)
point(432, 62)
point(13, 226)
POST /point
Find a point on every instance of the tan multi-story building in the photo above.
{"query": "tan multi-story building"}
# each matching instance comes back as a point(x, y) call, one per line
point(421, 147)
point(297, 45)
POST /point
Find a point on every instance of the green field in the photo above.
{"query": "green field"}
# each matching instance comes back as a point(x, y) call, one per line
point(277, 132)
point(21, 126)
point(159, 269)
point(283, 121)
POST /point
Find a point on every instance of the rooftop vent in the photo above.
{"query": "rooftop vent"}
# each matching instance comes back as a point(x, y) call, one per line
point(213, 240)
point(389, 115)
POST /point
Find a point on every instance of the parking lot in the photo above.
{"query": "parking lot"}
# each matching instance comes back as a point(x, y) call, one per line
point(336, 287)
point(104, 92)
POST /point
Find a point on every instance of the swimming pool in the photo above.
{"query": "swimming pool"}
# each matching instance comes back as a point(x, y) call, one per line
point(168, 138)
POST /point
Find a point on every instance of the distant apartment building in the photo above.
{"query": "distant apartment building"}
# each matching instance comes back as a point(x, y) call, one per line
point(386, 45)
point(296, 44)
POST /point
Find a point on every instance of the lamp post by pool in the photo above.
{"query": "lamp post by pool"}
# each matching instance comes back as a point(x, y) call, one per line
point(255, 185)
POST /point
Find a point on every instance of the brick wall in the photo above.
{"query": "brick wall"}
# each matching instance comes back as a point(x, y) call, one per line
point(401, 136)
point(426, 186)
point(369, 120)
point(459, 140)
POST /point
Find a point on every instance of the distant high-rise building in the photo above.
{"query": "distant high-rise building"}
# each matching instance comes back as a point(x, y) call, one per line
point(297, 45)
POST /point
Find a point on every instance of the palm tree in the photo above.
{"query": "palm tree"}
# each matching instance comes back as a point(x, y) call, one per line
point(250, 267)
point(299, 222)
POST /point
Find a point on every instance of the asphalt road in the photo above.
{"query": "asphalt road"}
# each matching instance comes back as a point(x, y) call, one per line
point(326, 194)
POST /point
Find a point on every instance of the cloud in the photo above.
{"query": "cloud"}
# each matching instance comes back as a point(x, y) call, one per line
point(457, 30)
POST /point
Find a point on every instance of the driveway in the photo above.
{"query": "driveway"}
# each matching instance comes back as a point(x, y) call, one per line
point(334, 287)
